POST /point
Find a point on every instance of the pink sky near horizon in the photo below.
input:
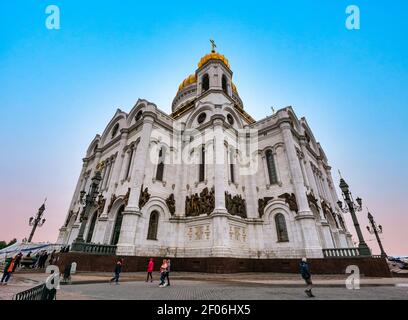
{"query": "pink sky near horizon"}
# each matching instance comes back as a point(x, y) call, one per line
point(16, 225)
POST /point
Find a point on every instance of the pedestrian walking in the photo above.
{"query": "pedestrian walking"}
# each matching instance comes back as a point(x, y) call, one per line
point(67, 273)
point(117, 271)
point(306, 275)
point(150, 268)
point(37, 259)
point(8, 270)
point(163, 269)
point(168, 272)
point(53, 256)
point(18, 260)
point(43, 259)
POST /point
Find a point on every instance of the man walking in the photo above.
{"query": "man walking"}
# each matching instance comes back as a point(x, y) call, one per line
point(117, 271)
point(305, 273)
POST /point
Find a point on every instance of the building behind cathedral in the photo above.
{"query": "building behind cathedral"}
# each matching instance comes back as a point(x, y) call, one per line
point(208, 180)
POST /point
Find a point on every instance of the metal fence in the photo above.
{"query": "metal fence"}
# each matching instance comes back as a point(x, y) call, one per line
point(40, 292)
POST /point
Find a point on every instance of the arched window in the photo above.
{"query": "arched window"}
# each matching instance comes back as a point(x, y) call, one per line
point(160, 165)
point(139, 115)
point(107, 174)
point(201, 173)
point(270, 163)
point(153, 223)
point(118, 226)
point(205, 85)
point(115, 130)
point(232, 167)
point(224, 84)
point(91, 227)
point(281, 230)
point(96, 147)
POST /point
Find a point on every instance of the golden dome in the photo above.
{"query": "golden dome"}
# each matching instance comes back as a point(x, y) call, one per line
point(234, 87)
point(187, 81)
point(213, 55)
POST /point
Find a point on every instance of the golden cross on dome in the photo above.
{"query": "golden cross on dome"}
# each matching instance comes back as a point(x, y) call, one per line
point(213, 45)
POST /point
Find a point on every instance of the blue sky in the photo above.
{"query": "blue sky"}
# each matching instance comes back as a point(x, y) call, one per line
point(61, 87)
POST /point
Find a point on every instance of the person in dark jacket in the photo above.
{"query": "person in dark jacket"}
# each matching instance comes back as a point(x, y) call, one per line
point(306, 275)
point(117, 271)
point(67, 273)
point(18, 260)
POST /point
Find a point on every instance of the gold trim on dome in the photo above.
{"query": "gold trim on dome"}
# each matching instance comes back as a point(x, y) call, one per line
point(234, 87)
point(187, 81)
point(215, 56)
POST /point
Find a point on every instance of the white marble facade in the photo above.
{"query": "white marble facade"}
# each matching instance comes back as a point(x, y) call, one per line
point(163, 153)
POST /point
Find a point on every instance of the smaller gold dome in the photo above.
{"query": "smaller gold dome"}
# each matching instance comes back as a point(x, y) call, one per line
point(234, 87)
point(187, 81)
point(213, 55)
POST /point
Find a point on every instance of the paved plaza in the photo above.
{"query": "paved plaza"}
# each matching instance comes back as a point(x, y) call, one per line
point(201, 286)
point(211, 290)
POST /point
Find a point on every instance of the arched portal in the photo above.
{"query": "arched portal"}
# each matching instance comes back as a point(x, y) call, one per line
point(92, 227)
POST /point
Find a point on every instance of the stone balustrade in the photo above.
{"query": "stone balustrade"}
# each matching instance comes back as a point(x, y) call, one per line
point(341, 252)
point(94, 248)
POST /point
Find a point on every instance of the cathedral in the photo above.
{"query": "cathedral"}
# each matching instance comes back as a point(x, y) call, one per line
point(206, 180)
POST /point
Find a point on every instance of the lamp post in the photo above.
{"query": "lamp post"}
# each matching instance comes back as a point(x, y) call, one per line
point(376, 230)
point(36, 221)
point(352, 207)
point(88, 201)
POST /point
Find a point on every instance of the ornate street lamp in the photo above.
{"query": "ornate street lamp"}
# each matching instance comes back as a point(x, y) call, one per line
point(88, 200)
point(352, 207)
point(374, 229)
point(36, 221)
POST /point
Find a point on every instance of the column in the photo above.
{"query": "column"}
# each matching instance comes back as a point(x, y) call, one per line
point(327, 236)
point(221, 246)
point(219, 164)
point(131, 215)
point(182, 172)
point(100, 233)
point(305, 216)
point(140, 162)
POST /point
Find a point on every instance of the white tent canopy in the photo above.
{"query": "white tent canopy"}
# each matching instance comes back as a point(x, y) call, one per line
point(25, 248)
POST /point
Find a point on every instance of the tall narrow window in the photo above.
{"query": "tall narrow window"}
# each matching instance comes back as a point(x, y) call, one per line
point(109, 169)
point(270, 162)
point(232, 167)
point(91, 227)
point(129, 164)
point(103, 174)
point(118, 226)
point(224, 84)
point(281, 230)
point(153, 223)
point(115, 130)
point(202, 165)
point(160, 165)
point(205, 85)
